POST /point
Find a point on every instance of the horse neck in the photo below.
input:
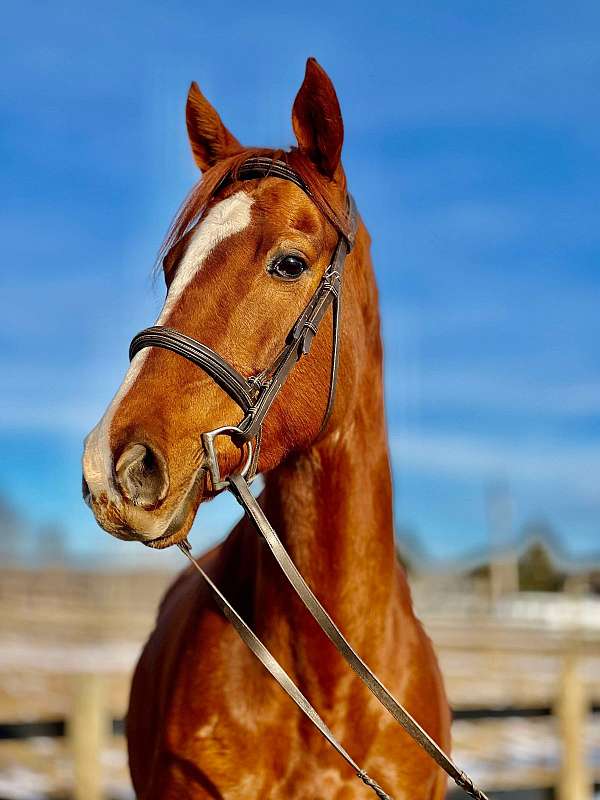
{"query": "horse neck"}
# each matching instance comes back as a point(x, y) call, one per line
point(332, 508)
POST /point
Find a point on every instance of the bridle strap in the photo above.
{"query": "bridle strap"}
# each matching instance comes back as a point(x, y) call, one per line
point(298, 344)
point(202, 356)
point(266, 167)
point(339, 261)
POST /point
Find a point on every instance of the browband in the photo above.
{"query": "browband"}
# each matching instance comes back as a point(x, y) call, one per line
point(265, 167)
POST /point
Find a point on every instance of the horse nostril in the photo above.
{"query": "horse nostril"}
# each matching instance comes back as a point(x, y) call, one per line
point(85, 491)
point(142, 475)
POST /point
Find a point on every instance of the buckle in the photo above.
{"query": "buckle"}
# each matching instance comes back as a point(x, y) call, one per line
point(208, 440)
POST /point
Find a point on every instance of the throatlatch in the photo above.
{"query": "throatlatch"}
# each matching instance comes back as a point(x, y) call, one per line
point(255, 396)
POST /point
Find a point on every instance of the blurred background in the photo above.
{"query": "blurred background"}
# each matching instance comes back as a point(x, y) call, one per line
point(472, 148)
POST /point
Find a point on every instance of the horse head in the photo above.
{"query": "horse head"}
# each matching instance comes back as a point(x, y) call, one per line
point(240, 262)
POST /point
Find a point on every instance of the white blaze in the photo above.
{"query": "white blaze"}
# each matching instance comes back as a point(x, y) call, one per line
point(225, 219)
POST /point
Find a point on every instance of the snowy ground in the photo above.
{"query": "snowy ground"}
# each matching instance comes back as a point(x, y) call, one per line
point(498, 754)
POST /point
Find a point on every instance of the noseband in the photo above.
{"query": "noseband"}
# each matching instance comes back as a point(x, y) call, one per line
point(255, 395)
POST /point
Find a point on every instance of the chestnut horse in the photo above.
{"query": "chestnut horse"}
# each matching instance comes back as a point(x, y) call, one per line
point(205, 719)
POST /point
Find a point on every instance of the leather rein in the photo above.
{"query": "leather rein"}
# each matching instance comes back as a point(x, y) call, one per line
point(255, 396)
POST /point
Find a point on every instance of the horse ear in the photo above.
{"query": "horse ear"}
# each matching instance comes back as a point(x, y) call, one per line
point(317, 120)
point(209, 138)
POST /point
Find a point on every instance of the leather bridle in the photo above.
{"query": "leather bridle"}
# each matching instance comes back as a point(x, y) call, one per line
point(255, 395)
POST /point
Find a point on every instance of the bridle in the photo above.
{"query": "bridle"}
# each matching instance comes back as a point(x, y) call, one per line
point(255, 395)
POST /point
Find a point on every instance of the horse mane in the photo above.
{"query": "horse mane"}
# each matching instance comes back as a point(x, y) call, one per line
point(328, 196)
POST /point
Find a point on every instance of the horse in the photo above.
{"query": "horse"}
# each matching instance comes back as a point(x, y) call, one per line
point(241, 260)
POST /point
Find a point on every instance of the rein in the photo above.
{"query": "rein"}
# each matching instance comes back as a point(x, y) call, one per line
point(255, 396)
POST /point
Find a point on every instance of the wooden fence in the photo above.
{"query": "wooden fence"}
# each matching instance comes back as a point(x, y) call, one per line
point(89, 728)
point(68, 643)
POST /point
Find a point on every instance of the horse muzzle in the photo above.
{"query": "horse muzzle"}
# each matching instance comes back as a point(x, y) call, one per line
point(131, 497)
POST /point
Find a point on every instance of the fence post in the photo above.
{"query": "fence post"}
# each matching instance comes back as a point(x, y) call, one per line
point(87, 731)
point(572, 710)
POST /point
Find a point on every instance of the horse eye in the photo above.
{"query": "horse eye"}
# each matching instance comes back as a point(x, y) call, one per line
point(288, 268)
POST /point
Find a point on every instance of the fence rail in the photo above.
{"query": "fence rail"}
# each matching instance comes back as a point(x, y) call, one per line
point(521, 682)
point(88, 729)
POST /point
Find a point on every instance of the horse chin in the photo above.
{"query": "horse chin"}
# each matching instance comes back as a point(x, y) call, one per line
point(132, 523)
point(181, 517)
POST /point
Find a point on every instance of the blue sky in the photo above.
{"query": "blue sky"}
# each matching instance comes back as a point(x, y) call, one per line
point(473, 149)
